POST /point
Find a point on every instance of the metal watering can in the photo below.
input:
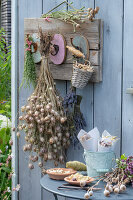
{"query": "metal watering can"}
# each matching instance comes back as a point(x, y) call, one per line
point(98, 163)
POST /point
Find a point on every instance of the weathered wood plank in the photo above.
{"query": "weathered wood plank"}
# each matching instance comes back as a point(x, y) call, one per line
point(30, 181)
point(67, 30)
point(66, 72)
point(59, 26)
point(127, 105)
point(107, 94)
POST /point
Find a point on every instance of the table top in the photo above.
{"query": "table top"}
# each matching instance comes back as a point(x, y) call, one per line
point(52, 185)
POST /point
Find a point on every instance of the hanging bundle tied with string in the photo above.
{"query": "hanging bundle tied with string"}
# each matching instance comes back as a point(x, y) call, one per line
point(43, 118)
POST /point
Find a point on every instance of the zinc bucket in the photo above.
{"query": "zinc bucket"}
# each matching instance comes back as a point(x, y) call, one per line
point(99, 163)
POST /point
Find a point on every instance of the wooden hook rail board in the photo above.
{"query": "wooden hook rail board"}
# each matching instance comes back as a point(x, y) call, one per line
point(93, 31)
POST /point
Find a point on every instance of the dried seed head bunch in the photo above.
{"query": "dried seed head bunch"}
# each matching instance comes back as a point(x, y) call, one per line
point(73, 16)
point(43, 119)
point(29, 76)
point(120, 176)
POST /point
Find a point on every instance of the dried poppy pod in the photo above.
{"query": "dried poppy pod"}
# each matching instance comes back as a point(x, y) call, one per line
point(23, 108)
point(31, 166)
point(51, 140)
point(45, 157)
point(63, 120)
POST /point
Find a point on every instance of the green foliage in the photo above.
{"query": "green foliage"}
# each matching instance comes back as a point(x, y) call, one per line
point(5, 68)
point(5, 108)
point(5, 164)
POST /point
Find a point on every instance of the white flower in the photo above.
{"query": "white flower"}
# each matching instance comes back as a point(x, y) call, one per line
point(8, 189)
point(4, 122)
point(17, 187)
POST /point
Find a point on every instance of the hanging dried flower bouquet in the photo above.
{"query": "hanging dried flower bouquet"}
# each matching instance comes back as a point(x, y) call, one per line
point(43, 118)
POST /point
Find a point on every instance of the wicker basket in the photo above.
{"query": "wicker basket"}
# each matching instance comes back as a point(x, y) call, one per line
point(80, 77)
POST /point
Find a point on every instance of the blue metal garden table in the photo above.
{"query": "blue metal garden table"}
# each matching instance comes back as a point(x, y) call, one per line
point(52, 186)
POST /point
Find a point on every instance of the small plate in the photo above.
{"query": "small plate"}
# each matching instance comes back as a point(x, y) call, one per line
point(60, 176)
point(77, 182)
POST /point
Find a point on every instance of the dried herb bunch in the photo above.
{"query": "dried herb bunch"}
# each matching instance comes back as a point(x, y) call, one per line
point(75, 117)
point(44, 120)
point(73, 16)
point(29, 75)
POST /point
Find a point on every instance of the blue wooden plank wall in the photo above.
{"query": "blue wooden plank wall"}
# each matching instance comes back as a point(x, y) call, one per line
point(105, 105)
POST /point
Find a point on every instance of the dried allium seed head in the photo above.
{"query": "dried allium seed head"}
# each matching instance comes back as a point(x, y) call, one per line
point(56, 163)
point(20, 128)
point(58, 129)
point(31, 166)
point(29, 147)
point(50, 156)
point(31, 126)
point(36, 113)
point(45, 157)
point(23, 125)
point(64, 140)
point(52, 112)
point(21, 118)
point(27, 108)
point(48, 108)
point(42, 110)
point(51, 140)
point(18, 134)
point(122, 187)
point(55, 150)
point(55, 139)
point(42, 139)
point(116, 190)
point(38, 107)
point(52, 120)
point(32, 140)
point(31, 157)
point(39, 121)
point(25, 148)
point(42, 120)
point(23, 108)
point(59, 135)
point(26, 139)
point(62, 120)
point(106, 193)
point(49, 131)
point(86, 196)
point(31, 119)
point(43, 171)
point(67, 135)
point(61, 159)
point(91, 193)
point(30, 112)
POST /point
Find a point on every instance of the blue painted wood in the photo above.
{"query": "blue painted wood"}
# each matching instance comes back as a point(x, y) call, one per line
point(107, 94)
point(127, 101)
point(30, 188)
point(102, 103)
point(52, 186)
